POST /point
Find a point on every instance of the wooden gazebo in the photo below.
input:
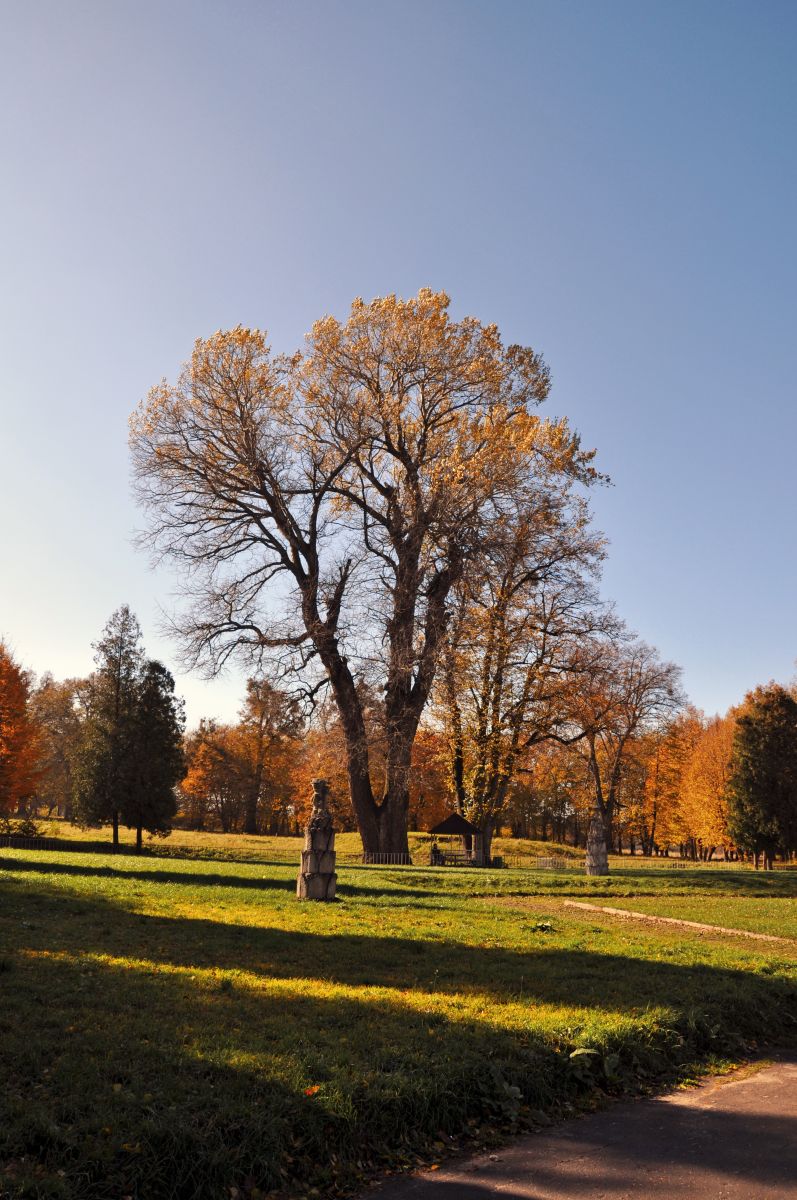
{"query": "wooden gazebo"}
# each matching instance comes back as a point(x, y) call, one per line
point(464, 844)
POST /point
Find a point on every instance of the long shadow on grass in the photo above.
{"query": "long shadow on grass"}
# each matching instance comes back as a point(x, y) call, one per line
point(380, 881)
point(116, 1080)
point(544, 972)
point(150, 1083)
point(202, 879)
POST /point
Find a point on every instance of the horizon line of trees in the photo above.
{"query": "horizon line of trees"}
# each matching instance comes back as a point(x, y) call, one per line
point(399, 548)
point(112, 750)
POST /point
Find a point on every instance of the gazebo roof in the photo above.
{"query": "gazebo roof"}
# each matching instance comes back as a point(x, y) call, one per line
point(455, 824)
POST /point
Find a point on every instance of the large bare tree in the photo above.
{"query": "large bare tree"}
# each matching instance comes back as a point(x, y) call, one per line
point(522, 614)
point(325, 504)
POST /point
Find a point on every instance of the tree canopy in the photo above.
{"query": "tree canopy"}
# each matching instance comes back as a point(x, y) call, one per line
point(325, 504)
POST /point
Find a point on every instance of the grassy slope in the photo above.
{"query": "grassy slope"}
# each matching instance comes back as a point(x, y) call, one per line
point(161, 1021)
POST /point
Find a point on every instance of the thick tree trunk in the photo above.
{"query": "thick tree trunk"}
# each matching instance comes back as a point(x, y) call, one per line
point(392, 825)
point(139, 837)
point(382, 826)
point(597, 861)
point(410, 674)
point(394, 810)
point(115, 821)
point(250, 817)
point(597, 858)
point(367, 813)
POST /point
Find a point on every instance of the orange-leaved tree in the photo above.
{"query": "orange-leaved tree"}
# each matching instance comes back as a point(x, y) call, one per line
point(653, 813)
point(704, 792)
point(624, 691)
point(270, 722)
point(324, 505)
point(20, 748)
point(552, 797)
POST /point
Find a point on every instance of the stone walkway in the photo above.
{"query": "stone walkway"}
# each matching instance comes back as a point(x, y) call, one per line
point(732, 1138)
point(640, 916)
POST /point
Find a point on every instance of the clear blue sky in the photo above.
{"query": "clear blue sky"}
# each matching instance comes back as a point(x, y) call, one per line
point(613, 182)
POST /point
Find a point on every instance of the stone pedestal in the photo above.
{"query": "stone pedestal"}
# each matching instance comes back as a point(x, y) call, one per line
point(317, 879)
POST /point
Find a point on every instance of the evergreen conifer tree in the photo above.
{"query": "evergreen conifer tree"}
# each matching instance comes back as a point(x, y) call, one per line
point(105, 762)
point(158, 763)
point(762, 788)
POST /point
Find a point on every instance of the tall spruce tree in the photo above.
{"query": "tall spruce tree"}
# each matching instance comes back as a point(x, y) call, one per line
point(157, 762)
point(105, 768)
point(762, 787)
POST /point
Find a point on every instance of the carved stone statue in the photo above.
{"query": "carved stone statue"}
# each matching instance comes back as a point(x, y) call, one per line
point(317, 878)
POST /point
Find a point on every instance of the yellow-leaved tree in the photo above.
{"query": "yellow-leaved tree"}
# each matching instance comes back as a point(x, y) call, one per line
point(654, 815)
point(704, 799)
point(326, 503)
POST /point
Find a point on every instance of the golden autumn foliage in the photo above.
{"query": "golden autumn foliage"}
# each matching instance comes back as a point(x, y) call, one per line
point(704, 801)
point(552, 797)
point(353, 484)
point(55, 709)
point(625, 691)
point(652, 813)
point(430, 792)
point(240, 778)
point(674, 786)
point(211, 790)
point(20, 749)
point(322, 756)
point(520, 615)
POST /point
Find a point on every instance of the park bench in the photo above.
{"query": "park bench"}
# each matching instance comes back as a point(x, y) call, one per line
point(454, 858)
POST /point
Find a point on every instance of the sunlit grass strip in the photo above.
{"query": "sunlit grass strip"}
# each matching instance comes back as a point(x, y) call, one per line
point(470, 1005)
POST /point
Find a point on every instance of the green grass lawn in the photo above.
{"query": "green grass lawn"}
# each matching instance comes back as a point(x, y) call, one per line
point(174, 1027)
point(767, 912)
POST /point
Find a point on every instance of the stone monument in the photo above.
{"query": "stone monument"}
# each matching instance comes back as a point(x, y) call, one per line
point(317, 878)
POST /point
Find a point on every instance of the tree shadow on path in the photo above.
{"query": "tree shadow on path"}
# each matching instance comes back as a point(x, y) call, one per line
point(740, 1145)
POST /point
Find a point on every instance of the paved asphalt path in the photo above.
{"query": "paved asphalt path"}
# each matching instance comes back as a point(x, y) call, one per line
point(731, 1138)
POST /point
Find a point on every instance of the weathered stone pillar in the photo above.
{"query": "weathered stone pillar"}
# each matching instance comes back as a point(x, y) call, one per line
point(317, 878)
